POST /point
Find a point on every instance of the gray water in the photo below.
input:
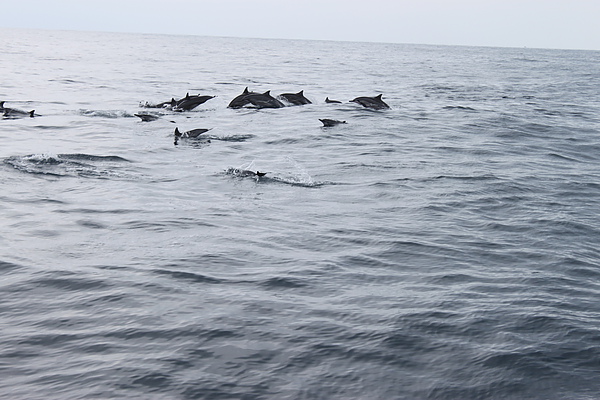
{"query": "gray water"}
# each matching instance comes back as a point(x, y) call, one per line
point(446, 248)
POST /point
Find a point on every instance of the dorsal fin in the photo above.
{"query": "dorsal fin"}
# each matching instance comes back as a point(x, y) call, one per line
point(31, 113)
point(301, 93)
point(267, 93)
point(177, 133)
point(246, 90)
point(187, 95)
point(1, 104)
point(379, 97)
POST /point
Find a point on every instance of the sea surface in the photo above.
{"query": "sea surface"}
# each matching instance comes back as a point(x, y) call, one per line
point(446, 248)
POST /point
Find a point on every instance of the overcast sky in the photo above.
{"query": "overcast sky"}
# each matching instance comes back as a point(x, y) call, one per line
point(563, 24)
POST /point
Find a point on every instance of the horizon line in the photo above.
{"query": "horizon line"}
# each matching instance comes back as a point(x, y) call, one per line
point(296, 39)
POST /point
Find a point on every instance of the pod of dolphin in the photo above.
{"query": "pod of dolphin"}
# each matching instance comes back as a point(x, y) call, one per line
point(246, 99)
point(253, 100)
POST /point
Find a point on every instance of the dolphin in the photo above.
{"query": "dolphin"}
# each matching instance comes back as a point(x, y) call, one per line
point(331, 122)
point(165, 104)
point(194, 133)
point(375, 103)
point(258, 100)
point(296, 99)
point(327, 100)
point(13, 113)
point(241, 100)
point(264, 100)
point(190, 102)
point(147, 117)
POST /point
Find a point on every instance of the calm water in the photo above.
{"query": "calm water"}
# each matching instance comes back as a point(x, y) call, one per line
point(444, 249)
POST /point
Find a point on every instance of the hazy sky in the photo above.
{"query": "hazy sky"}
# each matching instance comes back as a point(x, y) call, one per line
point(565, 24)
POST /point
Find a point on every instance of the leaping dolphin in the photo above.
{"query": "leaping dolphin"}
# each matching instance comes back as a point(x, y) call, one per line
point(190, 102)
point(296, 99)
point(258, 100)
point(375, 103)
point(165, 104)
point(192, 134)
point(265, 100)
point(184, 104)
point(241, 100)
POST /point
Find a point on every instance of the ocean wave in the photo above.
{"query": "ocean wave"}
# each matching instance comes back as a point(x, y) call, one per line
point(460, 108)
point(188, 276)
point(105, 113)
point(283, 283)
point(8, 267)
point(69, 165)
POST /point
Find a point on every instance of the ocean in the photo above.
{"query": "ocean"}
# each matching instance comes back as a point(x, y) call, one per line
point(445, 248)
